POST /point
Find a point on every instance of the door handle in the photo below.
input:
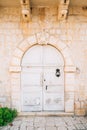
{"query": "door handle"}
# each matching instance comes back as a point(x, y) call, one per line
point(46, 87)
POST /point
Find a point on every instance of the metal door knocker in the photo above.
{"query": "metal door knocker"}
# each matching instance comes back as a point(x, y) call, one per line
point(57, 73)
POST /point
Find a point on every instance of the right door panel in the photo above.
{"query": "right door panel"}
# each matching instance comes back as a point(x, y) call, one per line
point(53, 89)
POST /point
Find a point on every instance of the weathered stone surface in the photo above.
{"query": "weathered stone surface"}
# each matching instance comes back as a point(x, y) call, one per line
point(70, 37)
point(61, 123)
point(51, 128)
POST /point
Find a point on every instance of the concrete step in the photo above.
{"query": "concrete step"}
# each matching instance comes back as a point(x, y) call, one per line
point(45, 114)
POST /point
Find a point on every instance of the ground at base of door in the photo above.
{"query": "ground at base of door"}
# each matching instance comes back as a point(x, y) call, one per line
point(47, 123)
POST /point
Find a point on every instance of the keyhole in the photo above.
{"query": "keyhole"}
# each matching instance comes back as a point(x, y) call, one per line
point(46, 87)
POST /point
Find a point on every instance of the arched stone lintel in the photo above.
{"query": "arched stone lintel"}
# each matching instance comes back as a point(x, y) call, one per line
point(31, 41)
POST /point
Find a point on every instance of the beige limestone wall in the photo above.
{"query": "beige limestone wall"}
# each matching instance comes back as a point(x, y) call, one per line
point(73, 32)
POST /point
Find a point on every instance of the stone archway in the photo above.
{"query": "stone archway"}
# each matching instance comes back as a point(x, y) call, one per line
point(15, 70)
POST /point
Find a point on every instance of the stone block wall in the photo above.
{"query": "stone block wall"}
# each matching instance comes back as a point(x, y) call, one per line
point(73, 32)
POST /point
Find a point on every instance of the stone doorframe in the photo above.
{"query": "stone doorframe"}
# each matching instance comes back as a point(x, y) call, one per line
point(15, 70)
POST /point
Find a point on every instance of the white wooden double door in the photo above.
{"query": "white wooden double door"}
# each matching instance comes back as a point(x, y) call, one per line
point(42, 89)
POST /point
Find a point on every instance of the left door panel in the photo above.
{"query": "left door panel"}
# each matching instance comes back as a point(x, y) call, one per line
point(31, 83)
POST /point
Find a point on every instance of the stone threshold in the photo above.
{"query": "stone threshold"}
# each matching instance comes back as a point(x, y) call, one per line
point(45, 114)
